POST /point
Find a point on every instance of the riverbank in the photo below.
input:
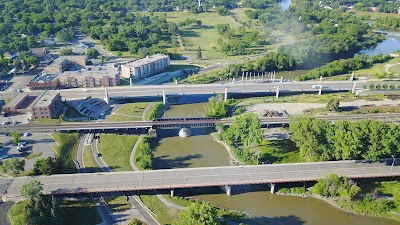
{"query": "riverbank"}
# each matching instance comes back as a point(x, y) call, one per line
point(227, 147)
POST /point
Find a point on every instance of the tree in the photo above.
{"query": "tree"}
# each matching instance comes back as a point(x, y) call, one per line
point(102, 59)
point(66, 51)
point(371, 86)
point(199, 55)
point(16, 136)
point(392, 87)
point(47, 166)
point(246, 128)
point(14, 165)
point(92, 53)
point(6, 100)
point(198, 214)
point(385, 86)
point(135, 222)
point(32, 189)
point(18, 65)
point(333, 105)
point(119, 54)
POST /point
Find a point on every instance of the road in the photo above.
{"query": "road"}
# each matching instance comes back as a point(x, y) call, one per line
point(199, 89)
point(202, 177)
point(393, 117)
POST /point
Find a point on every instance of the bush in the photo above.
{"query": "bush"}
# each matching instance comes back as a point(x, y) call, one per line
point(371, 86)
point(157, 111)
point(385, 86)
point(333, 105)
point(378, 86)
point(144, 158)
point(392, 86)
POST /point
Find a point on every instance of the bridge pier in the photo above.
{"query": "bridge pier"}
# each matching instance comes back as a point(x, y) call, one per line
point(281, 79)
point(320, 90)
point(272, 186)
point(226, 94)
point(130, 81)
point(106, 98)
point(277, 92)
point(227, 189)
point(353, 90)
point(185, 132)
point(172, 192)
point(152, 132)
point(164, 97)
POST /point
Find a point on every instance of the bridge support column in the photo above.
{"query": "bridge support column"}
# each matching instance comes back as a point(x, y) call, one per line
point(164, 97)
point(272, 186)
point(320, 78)
point(185, 132)
point(353, 90)
point(172, 192)
point(106, 98)
point(233, 80)
point(226, 95)
point(227, 189)
point(277, 92)
point(320, 90)
point(281, 79)
point(130, 81)
point(152, 132)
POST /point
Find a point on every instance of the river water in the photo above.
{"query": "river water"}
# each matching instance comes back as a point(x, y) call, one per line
point(201, 150)
point(388, 46)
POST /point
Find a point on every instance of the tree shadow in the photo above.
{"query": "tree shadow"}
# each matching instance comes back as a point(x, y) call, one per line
point(190, 33)
point(162, 162)
point(278, 220)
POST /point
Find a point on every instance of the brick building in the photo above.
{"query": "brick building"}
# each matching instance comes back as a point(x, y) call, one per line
point(105, 76)
point(61, 64)
point(44, 81)
point(48, 106)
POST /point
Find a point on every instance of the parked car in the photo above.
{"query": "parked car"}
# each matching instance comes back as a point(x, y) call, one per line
point(27, 134)
point(22, 143)
point(4, 156)
point(1, 148)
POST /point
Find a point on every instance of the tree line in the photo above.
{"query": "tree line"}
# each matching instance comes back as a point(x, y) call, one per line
point(320, 140)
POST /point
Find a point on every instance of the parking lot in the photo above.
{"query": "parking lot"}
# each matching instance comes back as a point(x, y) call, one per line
point(36, 143)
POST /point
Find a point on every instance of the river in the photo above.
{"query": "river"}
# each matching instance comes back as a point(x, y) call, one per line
point(201, 150)
point(388, 46)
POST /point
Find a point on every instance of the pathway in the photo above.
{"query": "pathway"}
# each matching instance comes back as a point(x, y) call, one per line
point(145, 111)
point(387, 67)
point(139, 210)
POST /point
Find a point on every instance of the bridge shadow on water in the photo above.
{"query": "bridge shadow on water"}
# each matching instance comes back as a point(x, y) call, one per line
point(163, 162)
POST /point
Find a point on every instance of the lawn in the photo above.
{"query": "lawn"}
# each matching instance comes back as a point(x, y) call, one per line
point(128, 112)
point(116, 149)
point(117, 204)
point(375, 15)
point(67, 149)
point(149, 110)
point(279, 151)
point(45, 121)
point(378, 68)
point(164, 215)
point(80, 213)
point(34, 155)
point(90, 164)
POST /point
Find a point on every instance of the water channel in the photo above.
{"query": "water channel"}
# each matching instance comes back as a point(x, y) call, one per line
point(201, 150)
point(388, 46)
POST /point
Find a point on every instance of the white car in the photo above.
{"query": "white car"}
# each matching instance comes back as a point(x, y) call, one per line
point(27, 134)
point(4, 156)
point(22, 143)
point(85, 90)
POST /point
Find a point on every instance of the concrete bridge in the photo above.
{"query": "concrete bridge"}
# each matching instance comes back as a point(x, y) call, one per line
point(183, 122)
point(225, 177)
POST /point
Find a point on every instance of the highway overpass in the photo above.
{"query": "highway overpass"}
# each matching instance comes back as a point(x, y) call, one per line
point(126, 92)
point(202, 177)
point(182, 122)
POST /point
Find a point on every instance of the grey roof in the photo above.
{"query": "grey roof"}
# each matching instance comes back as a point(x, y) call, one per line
point(147, 60)
point(44, 77)
point(16, 100)
point(38, 50)
point(92, 71)
point(45, 99)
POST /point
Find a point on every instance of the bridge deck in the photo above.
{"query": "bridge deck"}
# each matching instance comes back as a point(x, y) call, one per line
point(202, 177)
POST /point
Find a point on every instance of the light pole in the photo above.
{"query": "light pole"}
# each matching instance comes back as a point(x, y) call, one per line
point(392, 165)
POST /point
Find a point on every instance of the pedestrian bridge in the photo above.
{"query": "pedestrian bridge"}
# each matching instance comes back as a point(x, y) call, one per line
point(226, 176)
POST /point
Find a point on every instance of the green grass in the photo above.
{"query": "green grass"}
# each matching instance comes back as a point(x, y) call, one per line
point(375, 15)
point(67, 149)
point(378, 68)
point(15, 215)
point(34, 155)
point(121, 118)
point(177, 200)
point(279, 151)
point(45, 121)
point(90, 164)
point(395, 69)
point(116, 149)
point(164, 215)
point(133, 109)
point(149, 110)
point(117, 204)
point(80, 213)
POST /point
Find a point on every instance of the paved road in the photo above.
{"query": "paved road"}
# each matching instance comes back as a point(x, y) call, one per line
point(157, 90)
point(393, 117)
point(202, 177)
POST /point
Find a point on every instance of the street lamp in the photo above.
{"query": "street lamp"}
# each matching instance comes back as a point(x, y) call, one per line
point(392, 165)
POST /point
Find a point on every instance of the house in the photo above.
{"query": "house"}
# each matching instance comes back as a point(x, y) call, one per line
point(39, 52)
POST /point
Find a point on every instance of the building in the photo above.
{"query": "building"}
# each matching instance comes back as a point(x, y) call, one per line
point(146, 66)
point(44, 81)
point(16, 105)
point(39, 52)
point(104, 76)
point(48, 106)
point(65, 62)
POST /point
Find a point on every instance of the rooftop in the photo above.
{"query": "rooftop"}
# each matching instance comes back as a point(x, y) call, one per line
point(15, 101)
point(45, 99)
point(44, 77)
point(92, 71)
point(38, 50)
point(147, 60)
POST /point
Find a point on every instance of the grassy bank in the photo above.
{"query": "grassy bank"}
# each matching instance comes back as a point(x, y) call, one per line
point(164, 215)
point(90, 164)
point(67, 149)
point(80, 213)
point(128, 112)
point(279, 151)
point(116, 149)
point(144, 154)
point(117, 204)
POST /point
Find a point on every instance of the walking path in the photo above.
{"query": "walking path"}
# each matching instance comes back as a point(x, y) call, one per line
point(132, 156)
point(145, 111)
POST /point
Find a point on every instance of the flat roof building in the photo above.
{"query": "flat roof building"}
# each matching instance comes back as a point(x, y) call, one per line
point(48, 106)
point(146, 66)
point(61, 64)
point(44, 81)
point(104, 76)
